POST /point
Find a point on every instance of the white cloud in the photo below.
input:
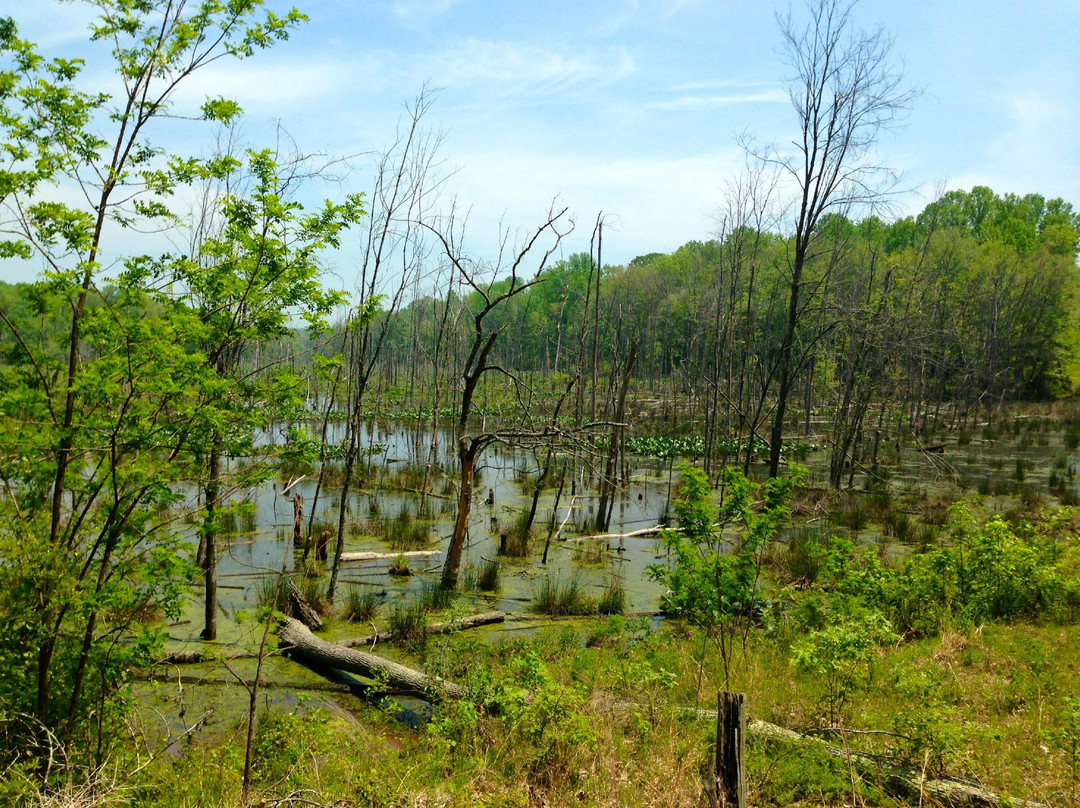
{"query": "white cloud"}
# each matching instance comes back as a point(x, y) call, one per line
point(514, 67)
point(698, 102)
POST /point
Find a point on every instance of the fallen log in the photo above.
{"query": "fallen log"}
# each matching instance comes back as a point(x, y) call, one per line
point(897, 779)
point(297, 640)
point(367, 556)
point(477, 620)
point(633, 534)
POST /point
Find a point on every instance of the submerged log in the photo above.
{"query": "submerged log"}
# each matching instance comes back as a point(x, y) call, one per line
point(379, 556)
point(477, 620)
point(296, 640)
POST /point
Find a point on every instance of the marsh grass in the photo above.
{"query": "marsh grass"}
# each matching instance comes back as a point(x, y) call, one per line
point(406, 532)
point(408, 622)
point(612, 598)
point(518, 543)
point(311, 587)
point(561, 597)
point(482, 578)
point(852, 514)
point(362, 603)
point(800, 560)
point(434, 598)
point(590, 552)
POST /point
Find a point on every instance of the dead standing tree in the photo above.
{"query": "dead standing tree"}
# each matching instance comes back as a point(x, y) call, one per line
point(478, 361)
point(407, 181)
point(845, 91)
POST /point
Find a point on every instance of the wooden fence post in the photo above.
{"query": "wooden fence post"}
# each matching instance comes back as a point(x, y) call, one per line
point(730, 735)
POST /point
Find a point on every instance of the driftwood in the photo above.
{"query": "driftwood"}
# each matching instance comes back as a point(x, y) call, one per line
point(380, 556)
point(298, 607)
point(296, 640)
point(645, 531)
point(477, 620)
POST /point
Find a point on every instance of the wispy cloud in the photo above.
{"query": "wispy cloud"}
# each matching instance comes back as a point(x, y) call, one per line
point(517, 66)
point(413, 10)
point(699, 102)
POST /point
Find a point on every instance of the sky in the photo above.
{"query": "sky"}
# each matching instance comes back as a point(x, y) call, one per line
point(633, 108)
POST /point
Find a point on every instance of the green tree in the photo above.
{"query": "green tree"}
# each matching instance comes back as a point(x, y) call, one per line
point(247, 285)
point(715, 567)
point(93, 437)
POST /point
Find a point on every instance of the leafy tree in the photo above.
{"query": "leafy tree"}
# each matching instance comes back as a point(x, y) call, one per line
point(713, 578)
point(245, 285)
point(93, 438)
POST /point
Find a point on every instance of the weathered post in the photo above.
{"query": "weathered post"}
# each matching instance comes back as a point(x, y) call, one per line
point(298, 522)
point(730, 734)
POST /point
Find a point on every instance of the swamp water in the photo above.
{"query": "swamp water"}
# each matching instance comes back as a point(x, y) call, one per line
point(1000, 468)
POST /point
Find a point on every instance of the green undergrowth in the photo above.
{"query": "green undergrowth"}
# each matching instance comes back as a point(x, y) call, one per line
point(593, 715)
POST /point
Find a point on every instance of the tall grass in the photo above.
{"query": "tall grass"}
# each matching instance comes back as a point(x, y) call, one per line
point(362, 604)
point(561, 597)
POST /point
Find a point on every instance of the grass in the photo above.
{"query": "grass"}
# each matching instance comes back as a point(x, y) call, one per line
point(314, 593)
point(561, 597)
point(590, 551)
point(484, 578)
point(612, 599)
point(853, 514)
point(518, 542)
point(598, 724)
point(434, 598)
point(399, 567)
point(362, 604)
point(406, 532)
point(408, 622)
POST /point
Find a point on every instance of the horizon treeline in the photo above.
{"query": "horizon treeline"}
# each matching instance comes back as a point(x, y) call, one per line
point(947, 314)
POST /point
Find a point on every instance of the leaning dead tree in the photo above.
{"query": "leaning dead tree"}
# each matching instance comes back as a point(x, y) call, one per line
point(845, 90)
point(491, 292)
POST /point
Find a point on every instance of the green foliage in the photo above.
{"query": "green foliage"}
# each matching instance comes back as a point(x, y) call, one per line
point(841, 656)
point(1067, 739)
point(706, 583)
point(115, 389)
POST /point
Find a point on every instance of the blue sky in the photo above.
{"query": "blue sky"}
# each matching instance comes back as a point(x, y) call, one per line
point(632, 107)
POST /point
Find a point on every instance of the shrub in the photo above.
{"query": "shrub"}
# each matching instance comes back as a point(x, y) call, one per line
point(400, 566)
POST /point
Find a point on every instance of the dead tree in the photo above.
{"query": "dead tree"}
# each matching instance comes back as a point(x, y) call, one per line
point(845, 91)
point(478, 362)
